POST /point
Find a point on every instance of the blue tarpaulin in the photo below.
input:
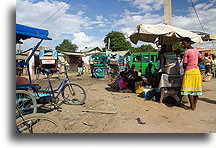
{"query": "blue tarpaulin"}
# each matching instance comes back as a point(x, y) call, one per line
point(24, 32)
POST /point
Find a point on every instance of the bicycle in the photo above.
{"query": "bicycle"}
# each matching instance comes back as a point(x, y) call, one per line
point(37, 123)
point(71, 92)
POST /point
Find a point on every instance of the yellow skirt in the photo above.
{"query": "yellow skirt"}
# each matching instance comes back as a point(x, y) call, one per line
point(192, 81)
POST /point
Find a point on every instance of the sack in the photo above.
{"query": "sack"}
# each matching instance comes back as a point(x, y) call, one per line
point(207, 77)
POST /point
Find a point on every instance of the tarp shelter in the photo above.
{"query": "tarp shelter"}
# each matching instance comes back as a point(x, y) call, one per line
point(165, 34)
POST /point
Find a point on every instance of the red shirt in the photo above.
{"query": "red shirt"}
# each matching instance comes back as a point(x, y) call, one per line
point(191, 57)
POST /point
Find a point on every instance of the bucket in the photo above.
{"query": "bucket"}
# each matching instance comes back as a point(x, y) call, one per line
point(139, 87)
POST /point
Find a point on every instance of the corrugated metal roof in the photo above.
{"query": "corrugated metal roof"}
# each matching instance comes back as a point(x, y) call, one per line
point(74, 53)
point(88, 49)
point(21, 57)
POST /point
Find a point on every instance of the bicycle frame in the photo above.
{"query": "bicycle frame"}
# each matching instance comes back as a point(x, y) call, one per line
point(52, 91)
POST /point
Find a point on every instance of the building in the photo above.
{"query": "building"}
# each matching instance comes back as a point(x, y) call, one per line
point(88, 51)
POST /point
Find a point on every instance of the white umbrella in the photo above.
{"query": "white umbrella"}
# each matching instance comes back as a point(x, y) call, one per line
point(165, 34)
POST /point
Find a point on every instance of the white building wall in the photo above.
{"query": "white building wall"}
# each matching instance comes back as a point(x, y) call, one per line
point(86, 58)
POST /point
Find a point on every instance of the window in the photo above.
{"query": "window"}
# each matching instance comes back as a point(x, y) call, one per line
point(146, 58)
point(153, 58)
point(137, 59)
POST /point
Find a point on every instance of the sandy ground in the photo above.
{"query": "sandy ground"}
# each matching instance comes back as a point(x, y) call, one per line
point(127, 107)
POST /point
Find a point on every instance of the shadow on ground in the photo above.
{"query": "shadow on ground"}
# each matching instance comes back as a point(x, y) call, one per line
point(207, 100)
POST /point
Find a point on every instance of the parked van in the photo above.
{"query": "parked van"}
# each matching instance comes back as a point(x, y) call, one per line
point(141, 61)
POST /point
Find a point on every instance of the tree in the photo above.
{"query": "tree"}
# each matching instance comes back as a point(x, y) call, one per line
point(143, 48)
point(117, 41)
point(66, 46)
point(177, 46)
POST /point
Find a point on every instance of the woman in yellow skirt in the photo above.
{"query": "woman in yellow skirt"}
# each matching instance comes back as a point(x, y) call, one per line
point(192, 82)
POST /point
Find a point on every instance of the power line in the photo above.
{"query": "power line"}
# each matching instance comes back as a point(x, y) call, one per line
point(199, 20)
point(54, 13)
point(197, 16)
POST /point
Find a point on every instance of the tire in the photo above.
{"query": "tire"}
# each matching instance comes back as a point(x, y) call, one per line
point(37, 73)
point(74, 94)
point(38, 123)
point(25, 102)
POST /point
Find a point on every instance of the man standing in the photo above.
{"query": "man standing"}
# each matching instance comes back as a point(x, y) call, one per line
point(207, 62)
point(192, 83)
point(80, 66)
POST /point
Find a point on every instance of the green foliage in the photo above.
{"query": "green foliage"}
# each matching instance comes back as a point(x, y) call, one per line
point(117, 41)
point(19, 51)
point(177, 46)
point(66, 46)
point(143, 48)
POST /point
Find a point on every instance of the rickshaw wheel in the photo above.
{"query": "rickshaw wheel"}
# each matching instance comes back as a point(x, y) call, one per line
point(39, 123)
point(25, 102)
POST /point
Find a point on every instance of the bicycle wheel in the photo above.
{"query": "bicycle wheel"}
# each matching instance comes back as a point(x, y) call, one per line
point(38, 123)
point(37, 73)
point(25, 102)
point(74, 94)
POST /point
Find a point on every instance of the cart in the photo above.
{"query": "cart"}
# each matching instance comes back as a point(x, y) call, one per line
point(48, 59)
point(98, 68)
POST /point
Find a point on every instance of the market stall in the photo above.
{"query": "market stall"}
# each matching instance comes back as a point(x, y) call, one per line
point(164, 36)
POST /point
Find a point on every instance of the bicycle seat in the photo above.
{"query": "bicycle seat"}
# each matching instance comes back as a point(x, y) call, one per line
point(46, 71)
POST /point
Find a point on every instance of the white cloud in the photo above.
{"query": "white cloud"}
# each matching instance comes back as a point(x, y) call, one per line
point(129, 22)
point(82, 41)
point(101, 25)
point(206, 13)
point(147, 5)
point(32, 13)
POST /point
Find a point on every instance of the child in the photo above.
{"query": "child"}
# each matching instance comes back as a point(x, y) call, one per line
point(122, 83)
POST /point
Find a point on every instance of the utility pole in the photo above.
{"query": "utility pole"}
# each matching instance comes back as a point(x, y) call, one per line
point(108, 43)
point(167, 12)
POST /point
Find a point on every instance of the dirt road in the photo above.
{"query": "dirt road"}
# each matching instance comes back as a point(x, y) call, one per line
point(127, 107)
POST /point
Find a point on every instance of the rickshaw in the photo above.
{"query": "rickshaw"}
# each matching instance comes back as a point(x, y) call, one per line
point(27, 94)
point(99, 67)
point(47, 59)
point(25, 101)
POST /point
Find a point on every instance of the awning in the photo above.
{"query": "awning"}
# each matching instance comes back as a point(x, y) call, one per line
point(24, 32)
point(161, 34)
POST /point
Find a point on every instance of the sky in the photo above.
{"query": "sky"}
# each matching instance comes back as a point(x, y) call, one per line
point(87, 22)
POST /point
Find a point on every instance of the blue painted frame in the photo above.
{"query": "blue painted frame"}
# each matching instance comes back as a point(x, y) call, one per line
point(24, 32)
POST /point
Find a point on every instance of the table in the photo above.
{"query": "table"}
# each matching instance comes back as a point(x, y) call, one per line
point(169, 81)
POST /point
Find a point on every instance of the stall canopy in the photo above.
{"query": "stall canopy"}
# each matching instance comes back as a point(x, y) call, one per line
point(98, 55)
point(161, 34)
point(206, 36)
point(24, 32)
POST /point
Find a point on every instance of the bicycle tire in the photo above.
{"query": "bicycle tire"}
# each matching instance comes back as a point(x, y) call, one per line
point(77, 97)
point(25, 102)
point(37, 73)
point(38, 123)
